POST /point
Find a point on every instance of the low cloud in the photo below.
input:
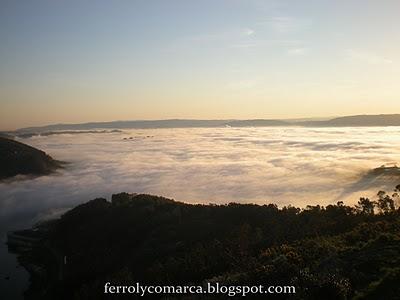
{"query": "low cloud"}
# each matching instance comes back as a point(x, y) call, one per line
point(297, 166)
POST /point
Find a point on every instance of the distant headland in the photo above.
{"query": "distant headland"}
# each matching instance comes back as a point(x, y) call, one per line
point(20, 159)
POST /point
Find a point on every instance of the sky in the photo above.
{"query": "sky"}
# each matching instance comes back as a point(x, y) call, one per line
point(79, 61)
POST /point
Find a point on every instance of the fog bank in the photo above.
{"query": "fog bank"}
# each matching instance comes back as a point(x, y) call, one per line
point(296, 166)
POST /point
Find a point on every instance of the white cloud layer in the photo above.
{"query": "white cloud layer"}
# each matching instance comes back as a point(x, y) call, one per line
point(297, 166)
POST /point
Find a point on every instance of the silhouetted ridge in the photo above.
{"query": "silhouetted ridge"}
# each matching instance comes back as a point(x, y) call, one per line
point(257, 123)
point(361, 120)
point(20, 159)
point(333, 252)
point(151, 124)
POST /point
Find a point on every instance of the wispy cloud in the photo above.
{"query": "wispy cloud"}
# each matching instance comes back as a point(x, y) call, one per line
point(256, 35)
point(367, 57)
point(234, 38)
point(223, 35)
point(248, 31)
point(295, 46)
point(244, 45)
point(287, 24)
point(297, 51)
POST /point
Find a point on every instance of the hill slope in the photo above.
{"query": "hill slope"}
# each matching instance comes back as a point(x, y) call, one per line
point(337, 252)
point(17, 158)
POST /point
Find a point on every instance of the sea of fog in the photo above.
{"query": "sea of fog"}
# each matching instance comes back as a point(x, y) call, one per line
point(293, 165)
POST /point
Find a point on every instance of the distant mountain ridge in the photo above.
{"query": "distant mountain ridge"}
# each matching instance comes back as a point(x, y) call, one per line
point(140, 124)
point(149, 124)
point(357, 120)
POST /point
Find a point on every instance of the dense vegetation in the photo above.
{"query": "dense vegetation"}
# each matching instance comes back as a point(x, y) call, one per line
point(333, 252)
point(18, 158)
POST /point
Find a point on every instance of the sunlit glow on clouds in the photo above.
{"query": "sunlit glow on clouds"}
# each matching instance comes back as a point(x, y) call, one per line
point(296, 166)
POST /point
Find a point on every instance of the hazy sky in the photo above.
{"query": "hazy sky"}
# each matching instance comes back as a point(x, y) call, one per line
point(75, 61)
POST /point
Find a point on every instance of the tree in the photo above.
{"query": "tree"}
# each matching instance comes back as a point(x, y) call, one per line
point(396, 196)
point(385, 203)
point(365, 206)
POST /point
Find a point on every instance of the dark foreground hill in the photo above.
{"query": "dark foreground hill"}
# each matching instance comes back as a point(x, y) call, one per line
point(336, 252)
point(20, 159)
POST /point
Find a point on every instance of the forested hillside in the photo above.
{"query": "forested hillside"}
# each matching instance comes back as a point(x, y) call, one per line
point(333, 252)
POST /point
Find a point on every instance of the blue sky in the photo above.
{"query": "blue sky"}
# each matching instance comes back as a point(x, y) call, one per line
point(76, 61)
